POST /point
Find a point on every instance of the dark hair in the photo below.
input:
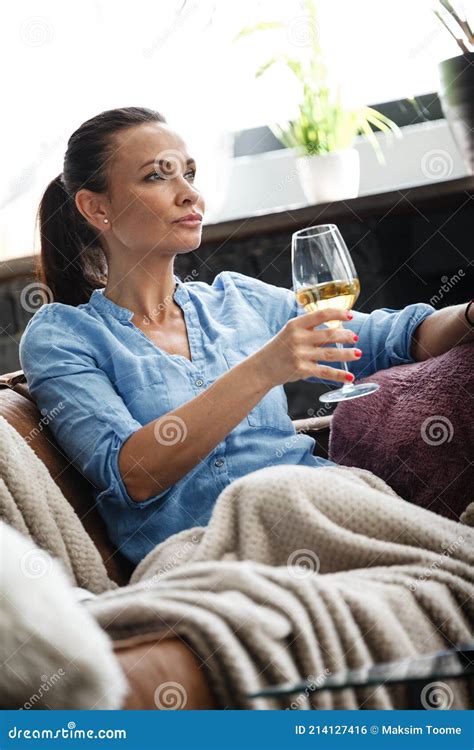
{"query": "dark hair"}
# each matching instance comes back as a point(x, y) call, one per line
point(72, 260)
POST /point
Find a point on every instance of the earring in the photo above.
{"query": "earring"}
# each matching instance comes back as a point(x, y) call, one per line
point(106, 221)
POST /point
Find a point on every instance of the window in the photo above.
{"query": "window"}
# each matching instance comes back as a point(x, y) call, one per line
point(69, 61)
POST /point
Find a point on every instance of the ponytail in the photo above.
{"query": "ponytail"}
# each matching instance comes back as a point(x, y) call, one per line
point(73, 263)
point(72, 259)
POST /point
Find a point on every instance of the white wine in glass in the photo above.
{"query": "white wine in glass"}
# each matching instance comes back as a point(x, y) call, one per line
point(324, 276)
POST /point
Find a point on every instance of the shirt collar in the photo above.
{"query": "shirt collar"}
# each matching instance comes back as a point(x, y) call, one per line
point(105, 305)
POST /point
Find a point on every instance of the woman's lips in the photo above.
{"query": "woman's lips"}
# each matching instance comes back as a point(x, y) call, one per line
point(195, 222)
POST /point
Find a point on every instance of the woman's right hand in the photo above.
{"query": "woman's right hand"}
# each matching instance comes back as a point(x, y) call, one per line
point(293, 353)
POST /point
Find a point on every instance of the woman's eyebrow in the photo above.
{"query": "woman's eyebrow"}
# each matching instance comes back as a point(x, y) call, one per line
point(162, 161)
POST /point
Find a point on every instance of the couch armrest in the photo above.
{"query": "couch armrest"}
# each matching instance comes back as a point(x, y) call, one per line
point(313, 424)
point(319, 429)
point(150, 662)
point(16, 381)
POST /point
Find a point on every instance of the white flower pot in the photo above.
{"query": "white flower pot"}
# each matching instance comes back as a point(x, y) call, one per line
point(330, 177)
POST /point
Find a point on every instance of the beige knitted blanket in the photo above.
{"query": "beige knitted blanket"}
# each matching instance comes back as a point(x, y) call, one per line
point(300, 573)
point(33, 504)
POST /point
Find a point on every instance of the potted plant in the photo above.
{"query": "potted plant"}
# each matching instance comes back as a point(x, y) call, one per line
point(324, 132)
point(456, 92)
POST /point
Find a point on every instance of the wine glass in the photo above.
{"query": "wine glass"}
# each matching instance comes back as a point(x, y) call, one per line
point(324, 276)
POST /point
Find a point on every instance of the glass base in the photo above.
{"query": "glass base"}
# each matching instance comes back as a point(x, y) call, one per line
point(349, 391)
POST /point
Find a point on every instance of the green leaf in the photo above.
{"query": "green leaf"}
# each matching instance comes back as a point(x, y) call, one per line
point(261, 70)
point(369, 134)
point(262, 26)
point(296, 67)
point(381, 121)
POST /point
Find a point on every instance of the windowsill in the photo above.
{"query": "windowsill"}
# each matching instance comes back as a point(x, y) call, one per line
point(425, 153)
point(404, 200)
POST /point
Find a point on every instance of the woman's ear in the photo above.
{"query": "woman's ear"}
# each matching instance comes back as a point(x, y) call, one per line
point(93, 208)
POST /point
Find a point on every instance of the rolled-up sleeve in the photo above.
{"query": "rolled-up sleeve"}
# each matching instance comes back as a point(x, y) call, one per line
point(385, 338)
point(89, 420)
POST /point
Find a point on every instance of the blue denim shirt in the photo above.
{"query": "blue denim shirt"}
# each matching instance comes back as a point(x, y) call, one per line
point(97, 378)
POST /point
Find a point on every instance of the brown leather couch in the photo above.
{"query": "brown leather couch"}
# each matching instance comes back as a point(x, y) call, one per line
point(148, 661)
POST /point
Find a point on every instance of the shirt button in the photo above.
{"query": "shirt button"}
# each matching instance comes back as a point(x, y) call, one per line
point(199, 382)
point(218, 462)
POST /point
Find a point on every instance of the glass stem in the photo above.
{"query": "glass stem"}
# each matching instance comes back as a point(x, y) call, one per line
point(346, 386)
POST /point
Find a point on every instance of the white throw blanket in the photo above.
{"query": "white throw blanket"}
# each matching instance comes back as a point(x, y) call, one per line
point(302, 573)
point(53, 653)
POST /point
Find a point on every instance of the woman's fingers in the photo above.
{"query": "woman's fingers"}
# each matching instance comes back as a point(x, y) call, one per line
point(330, 336)
point(329, 373)
point(309, 320)
point(296, 351)
point(333, 354)
point(336, 355)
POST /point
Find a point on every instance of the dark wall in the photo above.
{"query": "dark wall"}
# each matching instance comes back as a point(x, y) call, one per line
point(399, 259)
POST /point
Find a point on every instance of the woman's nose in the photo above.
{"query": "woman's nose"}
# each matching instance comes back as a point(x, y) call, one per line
point(188, 193)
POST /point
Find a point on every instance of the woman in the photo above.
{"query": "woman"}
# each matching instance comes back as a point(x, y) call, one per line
point(162, 392)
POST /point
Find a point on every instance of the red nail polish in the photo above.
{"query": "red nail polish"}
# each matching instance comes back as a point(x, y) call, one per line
point(349, 376)
point(349, 316)
point(358, 352)
point(356, 338)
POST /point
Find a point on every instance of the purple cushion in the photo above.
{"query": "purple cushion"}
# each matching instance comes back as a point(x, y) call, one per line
point(416, 432)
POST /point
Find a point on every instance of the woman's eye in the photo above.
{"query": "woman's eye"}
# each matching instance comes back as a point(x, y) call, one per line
point(155, 174)
point(191, 172)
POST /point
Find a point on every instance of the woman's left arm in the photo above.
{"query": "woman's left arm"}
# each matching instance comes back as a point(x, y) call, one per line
point(441, 331)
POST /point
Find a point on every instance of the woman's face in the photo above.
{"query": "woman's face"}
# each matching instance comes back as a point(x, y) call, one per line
point(151, 187)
